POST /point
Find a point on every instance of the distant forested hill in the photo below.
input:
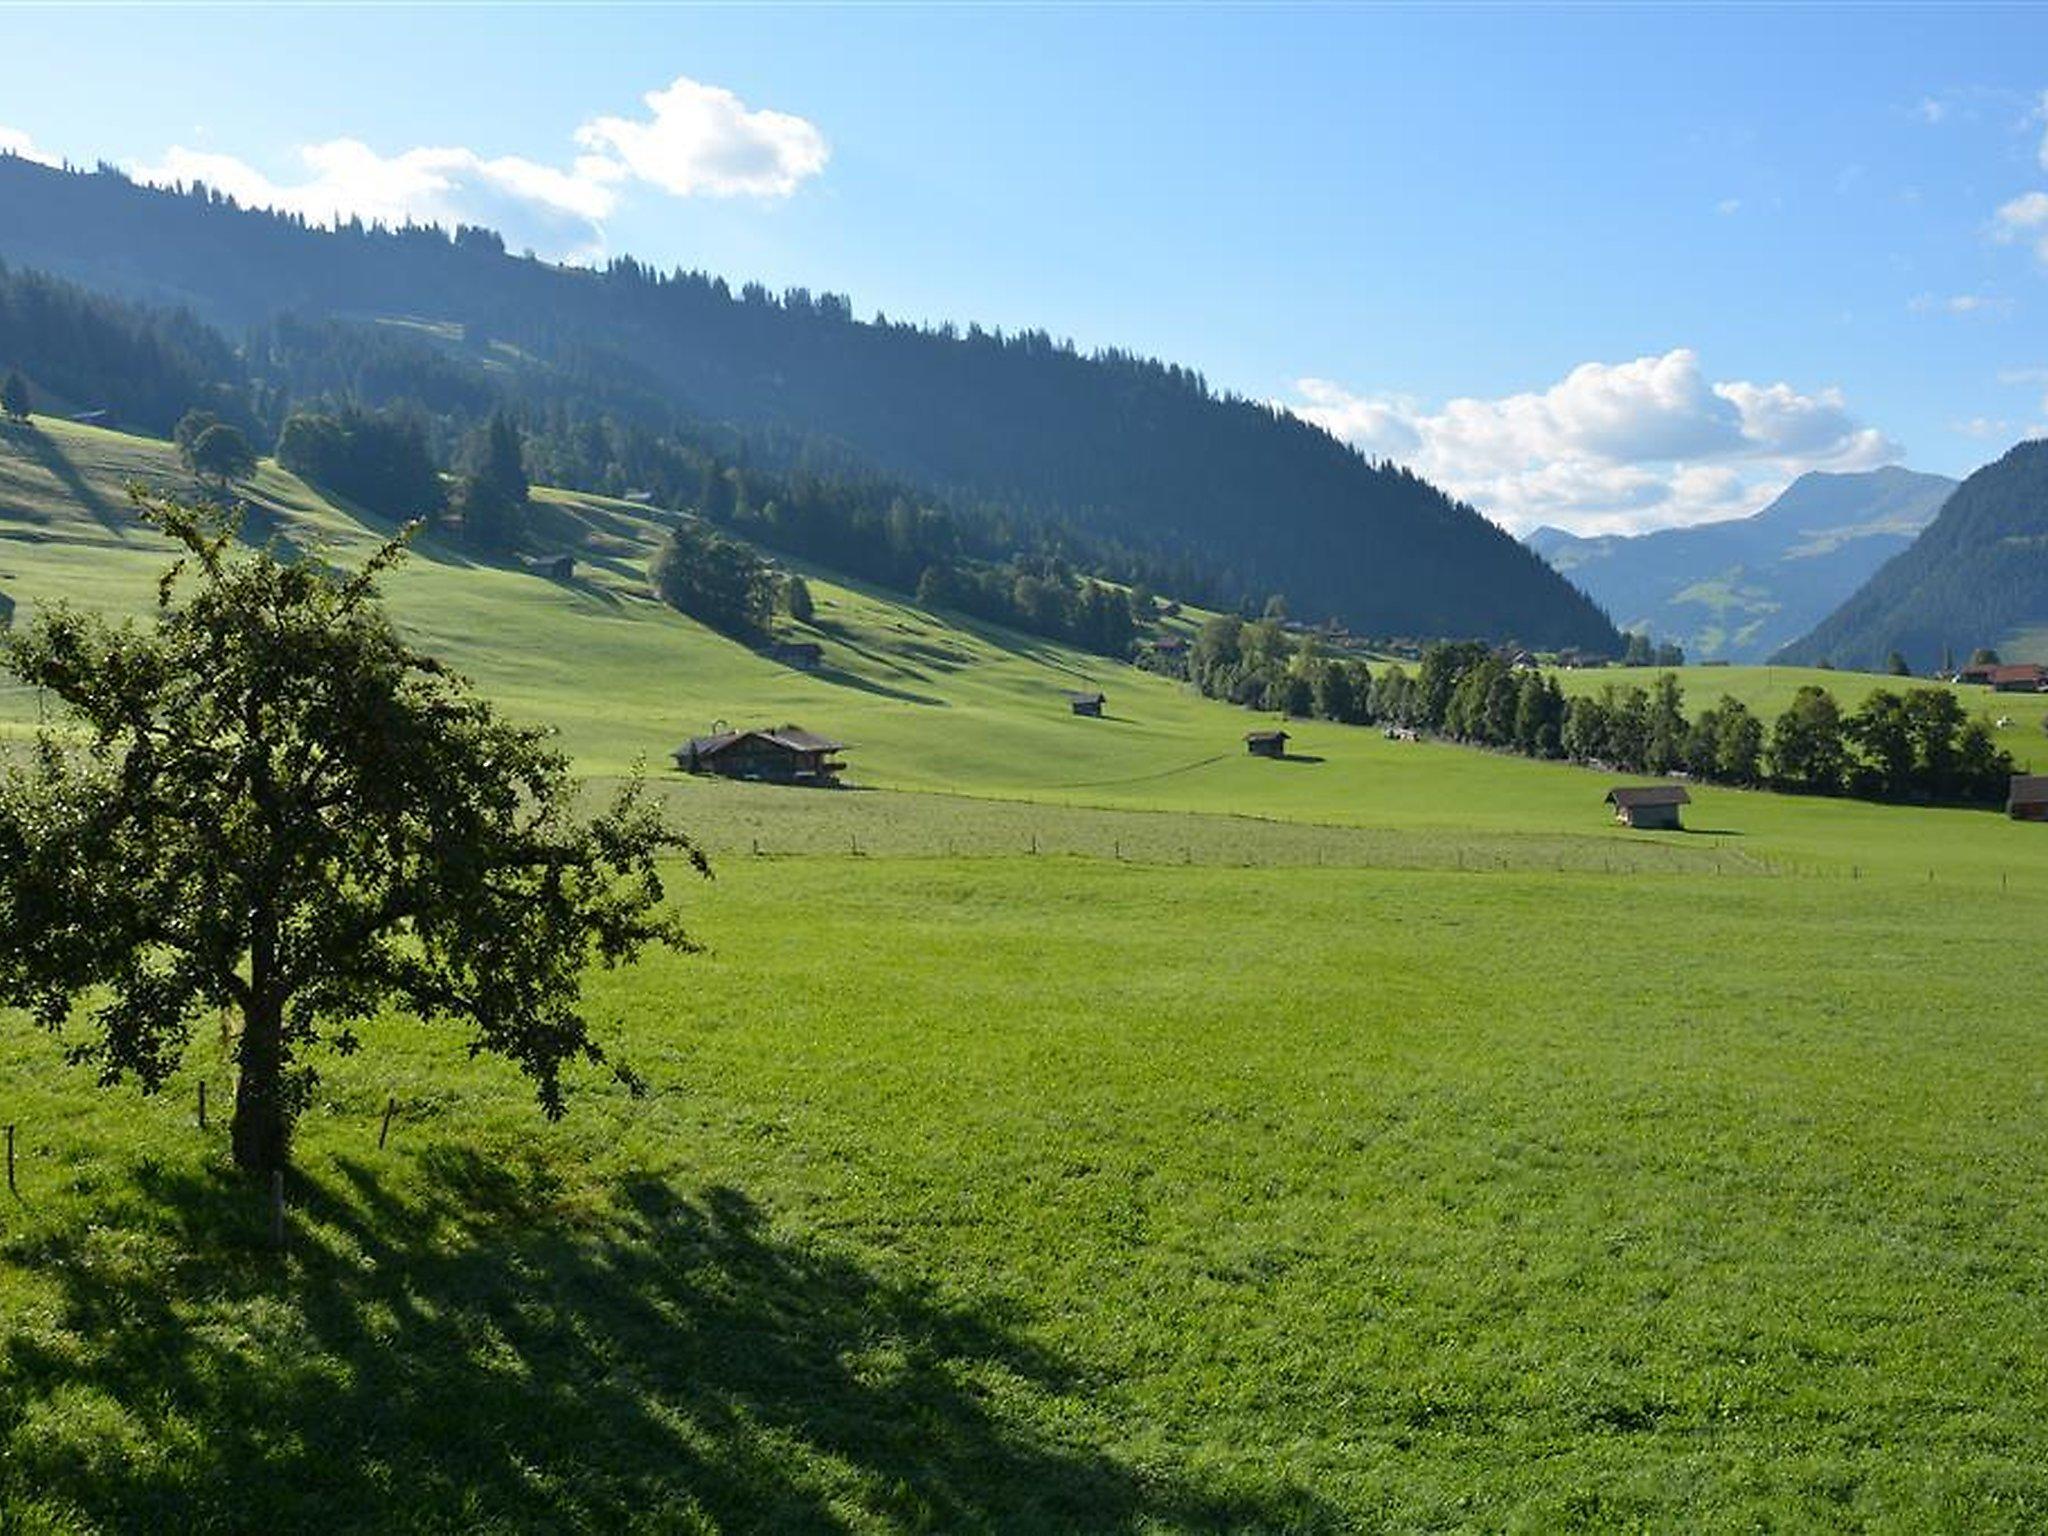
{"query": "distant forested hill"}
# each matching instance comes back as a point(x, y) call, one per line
point(1738, 590)
point(1135, 452)
point(1977, 575)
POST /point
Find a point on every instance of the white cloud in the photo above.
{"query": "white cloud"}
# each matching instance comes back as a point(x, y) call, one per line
point(1728, 205)
point(1983, 427)
point(1611, 447)
point(700, 140)
point(1929, 110)
point(2024, 218)
point(15, 142)
point(1961, 304)
point(2041, 115)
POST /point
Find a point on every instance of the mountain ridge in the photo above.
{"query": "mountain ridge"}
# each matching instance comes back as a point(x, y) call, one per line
point(1739, 588)
point(1124, 447)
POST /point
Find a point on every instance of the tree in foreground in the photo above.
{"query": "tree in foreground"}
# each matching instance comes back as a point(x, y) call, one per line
point(268, 804)
point(221, 454)
point(14, 402)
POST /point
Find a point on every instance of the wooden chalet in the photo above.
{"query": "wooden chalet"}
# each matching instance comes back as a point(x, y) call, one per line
point(1648, 807)
point(1980, 672)
point(2024, 678)
point(1266, 743)
point(1087, 703)
point(784, 754)
point(554, 567)
point(2027, 799)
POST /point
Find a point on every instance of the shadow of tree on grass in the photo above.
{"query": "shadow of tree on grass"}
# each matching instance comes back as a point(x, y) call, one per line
point(525, 1362)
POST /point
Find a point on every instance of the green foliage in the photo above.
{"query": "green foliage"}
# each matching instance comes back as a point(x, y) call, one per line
point(715, 580)
point(494, 499)
point(1806, 744)
point(796, 599)
point(380, 461)
point(14, 401)
point(221, 454)
point(281, 809)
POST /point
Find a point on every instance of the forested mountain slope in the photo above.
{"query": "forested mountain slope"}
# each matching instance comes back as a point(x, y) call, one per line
point(1977, 575)
point(1740, 589)
point(1131, 450)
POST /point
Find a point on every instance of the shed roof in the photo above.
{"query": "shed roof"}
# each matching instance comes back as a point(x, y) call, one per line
point(1089, 698)
point(2020, 672)
point(2027, 789)
point(1265, 735)
point(1630, 795)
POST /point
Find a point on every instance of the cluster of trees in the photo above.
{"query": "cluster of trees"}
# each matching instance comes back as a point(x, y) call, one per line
point(717, 581)
point(1041, 596)
point(1126, 450)
point(1918, 746)
point(14, 399)
point(379, 460)
point(1641, 651)
point(1256, 663)
point(213, 449)
point(87, 352)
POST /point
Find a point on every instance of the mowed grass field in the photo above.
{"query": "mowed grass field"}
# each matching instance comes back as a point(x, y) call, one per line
point(1378, 1139)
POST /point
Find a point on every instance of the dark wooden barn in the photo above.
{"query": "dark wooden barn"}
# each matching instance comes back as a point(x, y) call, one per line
point(1649, 807)
point(1087, 703)
point(2027, 799)
point(804, 655)
point(784, 754)
point(1266, 743)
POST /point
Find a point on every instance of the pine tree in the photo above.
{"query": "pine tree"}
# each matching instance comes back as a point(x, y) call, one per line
point(14, 398)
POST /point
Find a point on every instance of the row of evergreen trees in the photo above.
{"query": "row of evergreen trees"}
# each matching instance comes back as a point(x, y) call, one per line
point(1917, 746)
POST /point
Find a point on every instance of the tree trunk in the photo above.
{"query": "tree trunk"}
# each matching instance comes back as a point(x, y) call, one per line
point(262, 1132)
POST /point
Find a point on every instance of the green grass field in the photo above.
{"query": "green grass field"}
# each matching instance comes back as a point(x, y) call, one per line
point(1378, 1139)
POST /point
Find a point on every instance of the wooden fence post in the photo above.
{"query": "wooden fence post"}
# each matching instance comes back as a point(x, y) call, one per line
point(384, 1130)
point(10, 1162)
point(202, 1103)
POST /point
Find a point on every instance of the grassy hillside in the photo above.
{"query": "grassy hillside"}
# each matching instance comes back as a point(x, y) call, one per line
point(1379, 1138)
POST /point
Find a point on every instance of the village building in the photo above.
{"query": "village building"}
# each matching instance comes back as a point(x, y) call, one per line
point(2027, 799)
point(1087, 703)
point(784, 754)
point(1649, 807)
point(2024, 678)
point(1266, 743)
point(1977, 672)
point(804, 655)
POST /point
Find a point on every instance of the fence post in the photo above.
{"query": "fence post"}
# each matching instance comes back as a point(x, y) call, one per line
point(10, 1162)
point(202, 1103)
point(384, 1130)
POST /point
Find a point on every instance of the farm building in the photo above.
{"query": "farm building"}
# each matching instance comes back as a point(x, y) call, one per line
point(2026, 678)
point(783, 754)
point(2027, 799)
point(804, 655)
point(1087, 703)
point(1266, 743)
point(1648, 807)
point(554, 567)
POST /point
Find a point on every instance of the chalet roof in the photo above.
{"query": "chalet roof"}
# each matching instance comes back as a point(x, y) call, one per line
point(2023, 672)
point(2027, 789)
point(1088, 698)
point(793, 738)
point(1265, 735)
point(1627, 797)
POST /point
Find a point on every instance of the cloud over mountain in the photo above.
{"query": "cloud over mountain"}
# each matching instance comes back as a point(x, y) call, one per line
point(1611, 447)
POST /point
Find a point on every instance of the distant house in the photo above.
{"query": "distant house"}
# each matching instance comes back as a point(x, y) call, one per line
point(784, 754)
point(1170, 645)
point(804, 655)
point(1087, 703)
point(1648, 807)
point(2025, 678)
point(1266, 743)
point(554, 567)
point(2027, 799)
point(1979, 672)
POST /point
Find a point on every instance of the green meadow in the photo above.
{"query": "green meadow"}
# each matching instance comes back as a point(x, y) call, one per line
point(1078, 1125)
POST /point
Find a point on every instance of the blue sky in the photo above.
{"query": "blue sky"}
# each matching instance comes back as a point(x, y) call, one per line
point(1600, 266)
